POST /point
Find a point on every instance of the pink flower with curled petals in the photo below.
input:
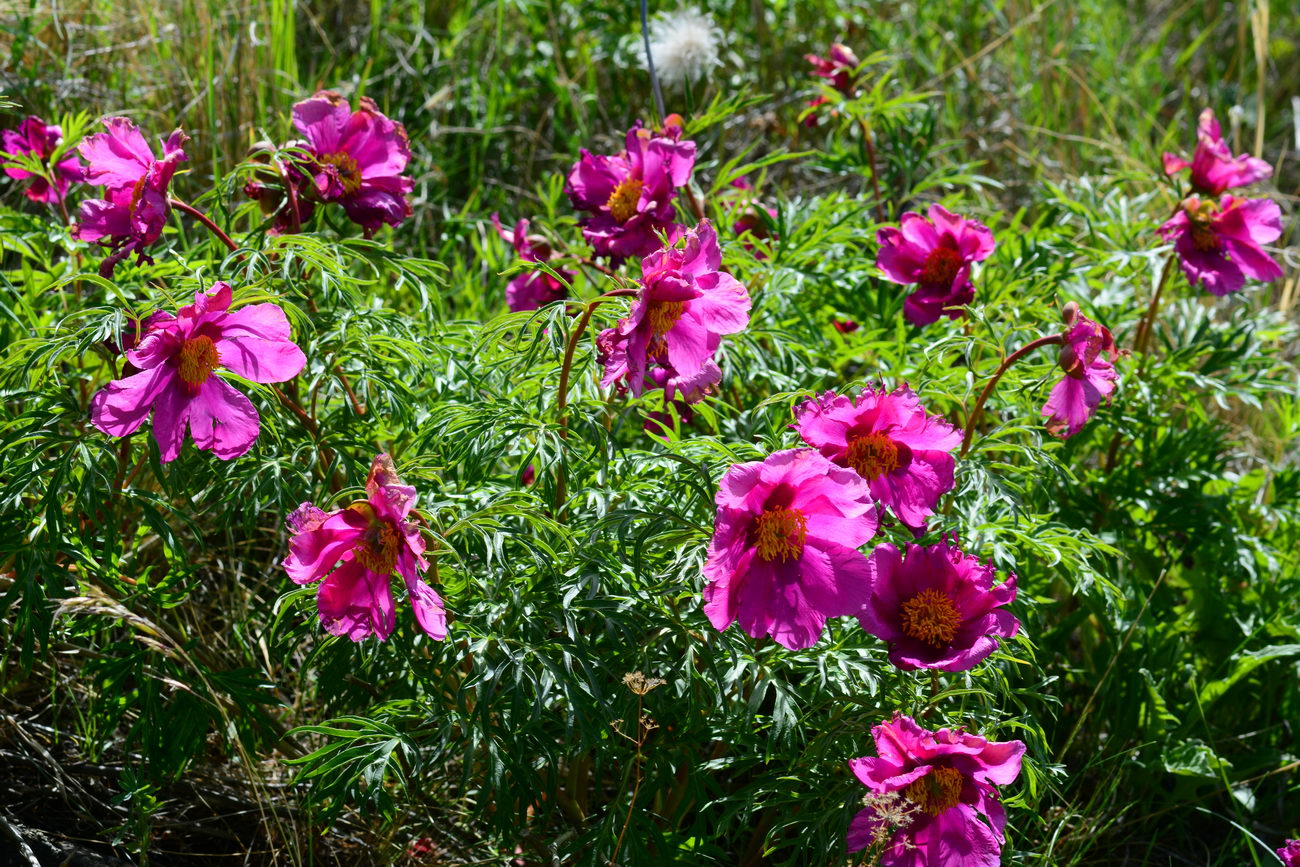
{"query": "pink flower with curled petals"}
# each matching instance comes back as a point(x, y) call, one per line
point(358, 158)
point(888, 438)
point(784, 553)
point(177, 358)
point(354, 552)
point(1289, 854)
point(677, 320)
point(950, 778)
point(36, 138)
point(1219, 245)
point(630, 195)
point(532, 289)
point(1214, 168)
point(838, 67)
point(1087, 358)
point(937, 607)
point(936, 254)
point(135, 209)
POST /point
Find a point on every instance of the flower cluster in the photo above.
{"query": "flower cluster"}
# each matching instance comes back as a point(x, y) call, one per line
point(630, 195)
point(35, 138)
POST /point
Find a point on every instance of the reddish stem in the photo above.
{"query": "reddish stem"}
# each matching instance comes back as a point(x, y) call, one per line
point(869, 142)
point(205, 220)
point(1051, 339)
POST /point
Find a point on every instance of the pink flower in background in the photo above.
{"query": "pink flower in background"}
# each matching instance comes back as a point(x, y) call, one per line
point(949, 778)
point(751, 217)
point(282, 190)
point(177, 357)
point(784, 554)
point(838, 67)
point(937, 607)
point(36, 138)
point(359, 158)
point(890, 441)
point(1214, 168)
point(531, 289)
point(356, 550)
point(135, 209)
point(845, 326)
point(1086, 357)
point(676, 322)
point(936, 254)
point(1289, 854)
point(1219, 245)
point(630, 195)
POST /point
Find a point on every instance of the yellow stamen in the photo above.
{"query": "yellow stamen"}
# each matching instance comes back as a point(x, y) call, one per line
point(663, 315)
point(873, 455)
point(931, 616)
point(937, 791)
point(622, 202)
point(196, 360)
point(349, 171)
point(378, 552)
point(779, 534)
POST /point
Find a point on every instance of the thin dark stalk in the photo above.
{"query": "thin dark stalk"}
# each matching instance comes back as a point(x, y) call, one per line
point(1051, 339)
point(636, 786)
point(650, 63)
point(1143, 337)
point(869, 142)
point(206, 221)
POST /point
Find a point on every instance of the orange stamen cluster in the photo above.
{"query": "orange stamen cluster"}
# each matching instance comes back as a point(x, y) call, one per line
point(873, 455)
point(622, 202)
point(663, 315)
point(930, 616)
point(196, 360)
point(937, 791)
point(378, 552)
point(779, 534)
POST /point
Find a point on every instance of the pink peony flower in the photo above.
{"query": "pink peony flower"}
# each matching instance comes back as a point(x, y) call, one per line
point(936, 254)
point(356, 550)
point(1086, 357)
point(532, 289)
point(845, 326)
point(890, 441)
point(40, 140)
point(676, 322)
point(1289, 854)
point(359, 158)
point(937, 607)
point(1219, 244)
point(784, 554)
point(949, 778)
point(177, 357)
point(1214, 168)
point(838, 67)
point(135, 209)
point(282, 190)
point(630, 195)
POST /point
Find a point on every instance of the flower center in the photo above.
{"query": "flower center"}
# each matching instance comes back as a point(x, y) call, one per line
point(936, 791)
point(663, 315)
point(779, 534)
point(1201, 226)
point(378, 550)
point(622, 202)
point(941, 266)
point(348, 171)
point(930, 616)
point(873, 455)
point(196, 360)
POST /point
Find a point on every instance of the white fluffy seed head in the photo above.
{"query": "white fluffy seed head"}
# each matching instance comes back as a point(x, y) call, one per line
point(684, 45)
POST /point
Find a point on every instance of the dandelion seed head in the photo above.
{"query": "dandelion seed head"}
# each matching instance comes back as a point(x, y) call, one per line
point(684, 45)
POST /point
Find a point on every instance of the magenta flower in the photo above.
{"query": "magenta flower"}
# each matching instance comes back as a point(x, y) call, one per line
point(784, 554)
point(890, 441)
point(1214, 168)
point(948, 778)
point(936, 254)
point(937, 607)
point(135, 209)
point(630, 195)
point(1219, 244)
point(838, 67)
point(282, 191)
point(359, 157)
point(1289, 854)
point(356, 550)
point(40, 140)
point(677, 321)
point(531, 289)
point(177, 357)
point(1086, 357)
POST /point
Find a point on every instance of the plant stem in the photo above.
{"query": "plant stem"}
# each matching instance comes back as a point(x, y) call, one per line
point(1143, 337)
point(1051, 339)
point(870, 145)
point(636, 787)
point(650, 64)
point(205, 220)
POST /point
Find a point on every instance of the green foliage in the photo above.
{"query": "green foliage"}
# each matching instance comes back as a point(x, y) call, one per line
point(148, 627)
